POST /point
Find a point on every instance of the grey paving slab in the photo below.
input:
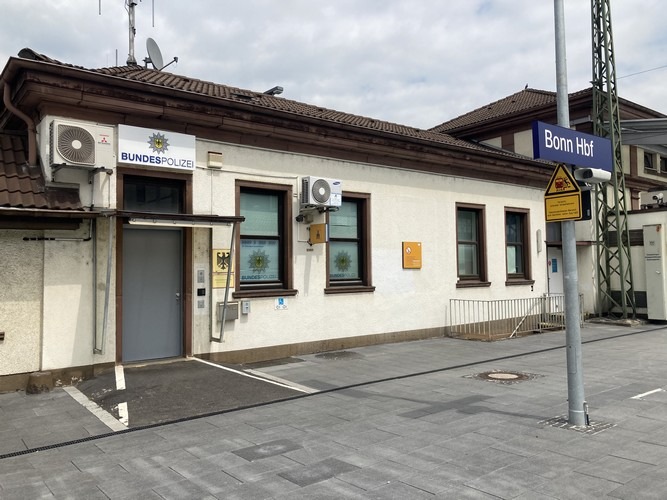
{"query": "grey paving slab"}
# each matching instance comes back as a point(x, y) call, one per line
point(441, 434)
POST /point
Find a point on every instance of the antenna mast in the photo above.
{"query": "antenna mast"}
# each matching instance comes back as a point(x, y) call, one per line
point(130, 5)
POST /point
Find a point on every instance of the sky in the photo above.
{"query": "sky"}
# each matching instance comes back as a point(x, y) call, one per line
point(412, 62)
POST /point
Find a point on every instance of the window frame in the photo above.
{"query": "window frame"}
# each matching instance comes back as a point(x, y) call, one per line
point(524, 278)
point(364, 284)
point(284, 286)
point(479, 279)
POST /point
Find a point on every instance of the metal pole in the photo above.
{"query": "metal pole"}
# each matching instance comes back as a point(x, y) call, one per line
point(229, 274)
point(575, 380)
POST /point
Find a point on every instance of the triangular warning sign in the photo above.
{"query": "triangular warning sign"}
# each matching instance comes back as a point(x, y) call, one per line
point(562, 182)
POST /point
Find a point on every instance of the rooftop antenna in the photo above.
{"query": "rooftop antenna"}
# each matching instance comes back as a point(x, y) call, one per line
point(155, 56)
point(129, 6)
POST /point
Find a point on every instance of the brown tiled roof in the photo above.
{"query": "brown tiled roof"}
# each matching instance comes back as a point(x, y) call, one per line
point(524, 100)
point(260, 100)
point(23, 186)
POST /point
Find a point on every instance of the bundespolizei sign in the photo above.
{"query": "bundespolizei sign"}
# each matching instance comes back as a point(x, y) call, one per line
point(156, 148)
point(564, 145)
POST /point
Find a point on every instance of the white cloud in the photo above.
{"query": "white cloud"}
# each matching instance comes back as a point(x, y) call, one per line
point(417, 62)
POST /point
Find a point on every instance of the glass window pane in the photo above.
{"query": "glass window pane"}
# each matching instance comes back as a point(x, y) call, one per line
point(260, 260)
point(344, 222)
point(261, 213)
point(467, 225)
point(144, 194)
point(513, 228)
point(343, 260)
point(468, 260)
point(514, 259)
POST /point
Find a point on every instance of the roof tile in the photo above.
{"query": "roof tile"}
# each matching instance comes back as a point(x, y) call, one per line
point(515, 103)
point(23, 185)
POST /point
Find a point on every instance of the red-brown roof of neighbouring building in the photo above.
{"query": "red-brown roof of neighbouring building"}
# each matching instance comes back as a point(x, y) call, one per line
point(525, 100)
point(23, 185)
point(522, 102)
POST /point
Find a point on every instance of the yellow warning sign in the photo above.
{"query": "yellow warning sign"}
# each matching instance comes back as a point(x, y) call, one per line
point(562, 182)
point(564, 207)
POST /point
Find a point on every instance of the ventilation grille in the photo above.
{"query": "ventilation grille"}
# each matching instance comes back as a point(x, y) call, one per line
point(75, 144)
point(320, 191)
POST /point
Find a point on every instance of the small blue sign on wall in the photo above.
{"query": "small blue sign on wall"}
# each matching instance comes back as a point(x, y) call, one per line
point(564, 145)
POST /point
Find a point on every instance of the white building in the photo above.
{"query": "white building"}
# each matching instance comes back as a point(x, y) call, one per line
point(124, 190)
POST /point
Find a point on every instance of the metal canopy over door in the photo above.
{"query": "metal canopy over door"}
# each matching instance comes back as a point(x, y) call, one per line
point(152, 293)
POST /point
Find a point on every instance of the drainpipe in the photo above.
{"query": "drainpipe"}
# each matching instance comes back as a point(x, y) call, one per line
point(32, 130)
point(100, 350)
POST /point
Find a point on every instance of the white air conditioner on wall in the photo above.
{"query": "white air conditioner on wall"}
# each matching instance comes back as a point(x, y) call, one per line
point(79, 153)
point(80, 144)
point(318, 192)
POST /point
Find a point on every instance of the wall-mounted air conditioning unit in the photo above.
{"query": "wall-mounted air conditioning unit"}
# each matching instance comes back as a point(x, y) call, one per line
point(79, 144)
point(318, 192)
point(79, 153)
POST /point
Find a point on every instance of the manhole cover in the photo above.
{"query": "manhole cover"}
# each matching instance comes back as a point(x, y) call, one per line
point(339, 355)
point(503, 376)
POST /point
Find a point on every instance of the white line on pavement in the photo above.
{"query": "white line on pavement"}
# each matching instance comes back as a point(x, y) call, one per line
point(639, 396)
point(123, 414)
point(104, 416)
point(120, 378)
point(288, 385)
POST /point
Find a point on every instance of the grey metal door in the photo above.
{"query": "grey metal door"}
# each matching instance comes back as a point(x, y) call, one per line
point(152, 293)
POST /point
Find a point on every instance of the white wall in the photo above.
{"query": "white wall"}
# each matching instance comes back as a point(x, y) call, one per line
point(405, 206)
point(68, 298)
point(20, 301)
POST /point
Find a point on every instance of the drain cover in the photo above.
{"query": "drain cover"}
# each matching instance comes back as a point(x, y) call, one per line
point(504, 376)
point(561, 422)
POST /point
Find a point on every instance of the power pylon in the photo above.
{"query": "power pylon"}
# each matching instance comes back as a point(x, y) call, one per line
point(614, 265)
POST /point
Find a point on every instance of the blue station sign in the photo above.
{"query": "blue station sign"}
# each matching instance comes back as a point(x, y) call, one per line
point(564, 145)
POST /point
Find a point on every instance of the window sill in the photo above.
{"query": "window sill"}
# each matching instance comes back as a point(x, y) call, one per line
point(275, 292)
point(473, 284)
point(519, 281)
point(348, 289)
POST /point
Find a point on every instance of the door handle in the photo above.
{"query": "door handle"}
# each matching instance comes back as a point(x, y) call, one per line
point(178, 296)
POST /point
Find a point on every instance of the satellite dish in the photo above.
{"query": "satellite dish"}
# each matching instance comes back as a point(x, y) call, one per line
point(154, 54)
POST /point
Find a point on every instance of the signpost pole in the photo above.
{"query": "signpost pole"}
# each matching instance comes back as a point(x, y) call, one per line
point(575, 380)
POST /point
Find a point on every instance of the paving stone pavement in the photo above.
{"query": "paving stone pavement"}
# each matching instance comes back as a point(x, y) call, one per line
point(396, 421)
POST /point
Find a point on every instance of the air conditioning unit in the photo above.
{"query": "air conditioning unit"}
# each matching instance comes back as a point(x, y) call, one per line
point(653, 199)
point(78, 144)
point(79, 153)
point(318, 192)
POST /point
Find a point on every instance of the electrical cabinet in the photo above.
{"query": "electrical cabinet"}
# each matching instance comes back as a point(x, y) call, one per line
point(654, 260)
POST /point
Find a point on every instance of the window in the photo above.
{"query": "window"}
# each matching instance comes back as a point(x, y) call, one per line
point(517, 246)
point(152, 194)
point(470, 245)
point(348, 251)
point(264, 244)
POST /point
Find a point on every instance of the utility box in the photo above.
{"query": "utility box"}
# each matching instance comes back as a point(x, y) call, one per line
point(232, 311)
point(654, 260)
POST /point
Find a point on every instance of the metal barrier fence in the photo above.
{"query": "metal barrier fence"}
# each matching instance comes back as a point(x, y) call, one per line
point(499, 319)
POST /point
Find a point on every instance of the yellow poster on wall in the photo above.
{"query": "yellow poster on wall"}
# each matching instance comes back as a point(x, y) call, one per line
point(412, 255)
point(220, 266)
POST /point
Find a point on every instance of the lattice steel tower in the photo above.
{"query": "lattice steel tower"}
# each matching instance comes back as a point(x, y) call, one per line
point(614, 266)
